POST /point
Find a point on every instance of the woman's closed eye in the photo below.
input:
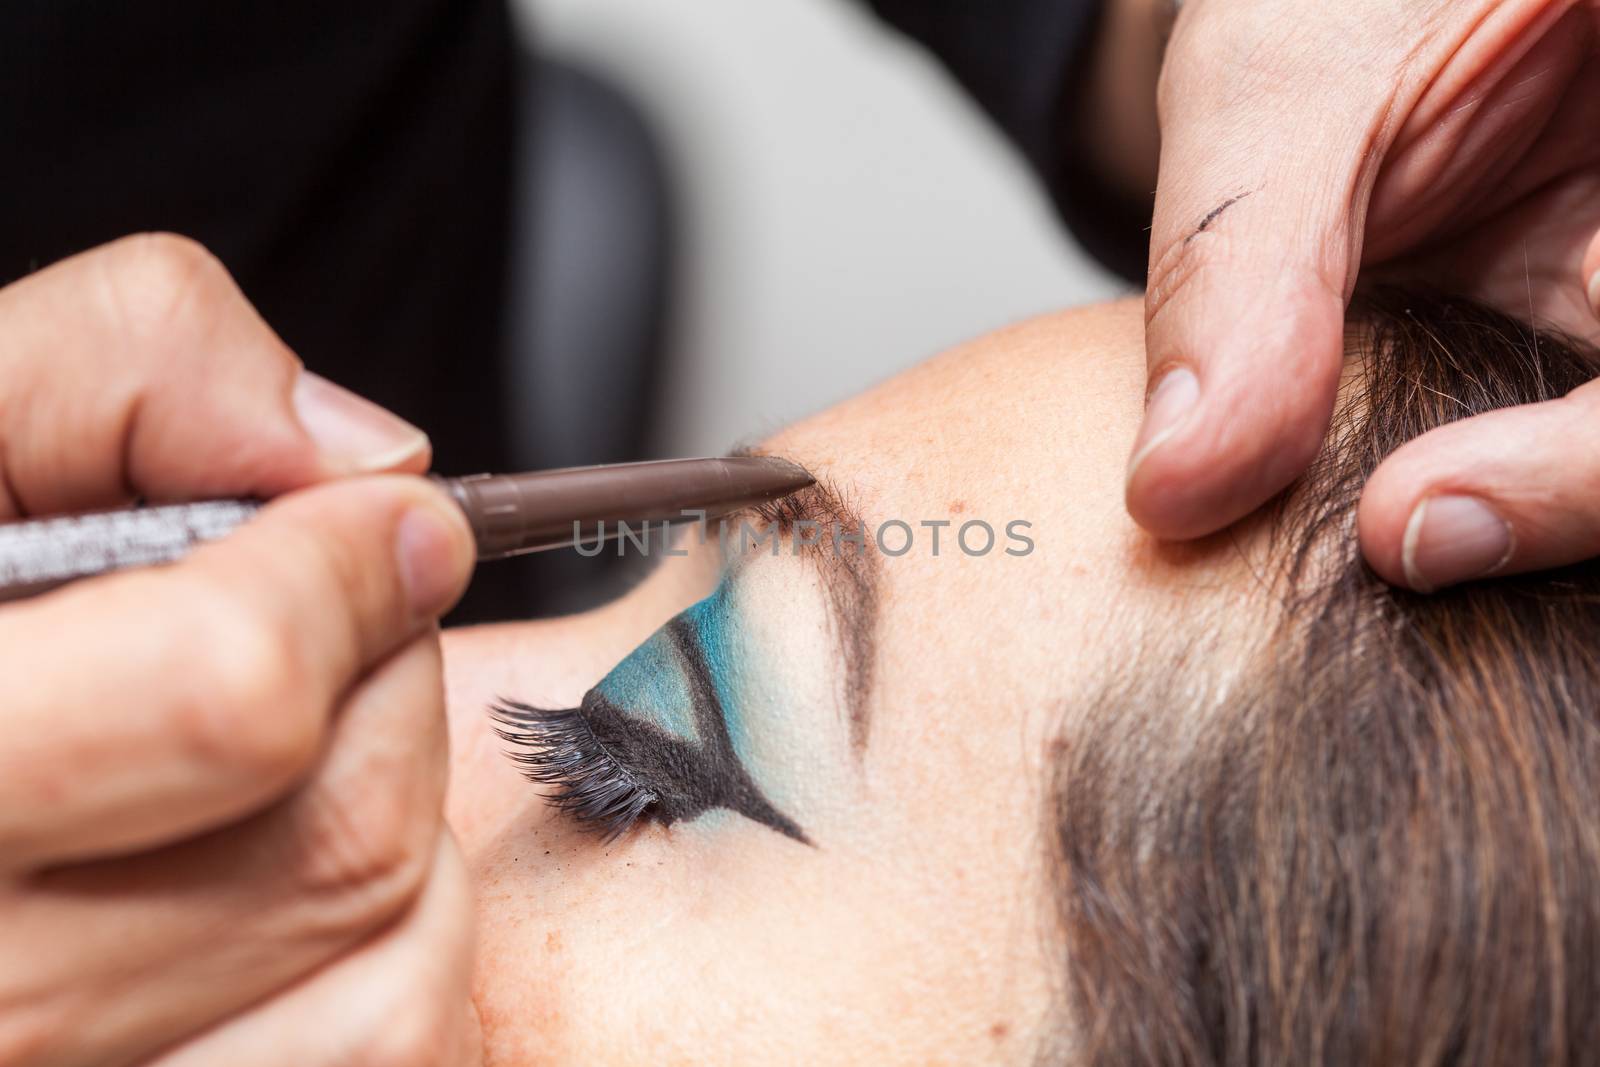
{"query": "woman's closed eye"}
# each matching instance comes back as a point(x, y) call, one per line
point(654, 740)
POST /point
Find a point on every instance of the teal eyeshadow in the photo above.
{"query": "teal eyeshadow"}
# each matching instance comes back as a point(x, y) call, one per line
point(715, 621)
point(651, 683)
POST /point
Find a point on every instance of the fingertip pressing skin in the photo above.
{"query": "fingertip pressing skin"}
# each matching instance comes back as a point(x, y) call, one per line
point(1498, 493)
point(1220, 439)
point(1453, 539)
point(1592, 263)
point(1591, 274)
point(1415, 508)
point(1253, 253)
point(1174, 396)
point(1247, 291)
point(1443, 539)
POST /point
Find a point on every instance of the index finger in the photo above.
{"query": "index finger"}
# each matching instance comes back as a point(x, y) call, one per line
point(139, 368)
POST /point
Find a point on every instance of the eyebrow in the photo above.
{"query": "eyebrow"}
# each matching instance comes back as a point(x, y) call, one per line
point(850, 578)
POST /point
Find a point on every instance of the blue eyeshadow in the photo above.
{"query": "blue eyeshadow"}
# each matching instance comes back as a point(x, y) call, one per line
point(714, 622)
point(661, 736)
point(651, 683)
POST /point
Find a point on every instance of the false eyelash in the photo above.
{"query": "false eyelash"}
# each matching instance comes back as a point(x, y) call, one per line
point(561, 752)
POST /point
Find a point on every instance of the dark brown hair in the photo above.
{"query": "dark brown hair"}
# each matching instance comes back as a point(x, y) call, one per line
point(1383, 845)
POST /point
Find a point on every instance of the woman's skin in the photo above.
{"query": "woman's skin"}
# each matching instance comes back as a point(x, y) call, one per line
point(917, 929)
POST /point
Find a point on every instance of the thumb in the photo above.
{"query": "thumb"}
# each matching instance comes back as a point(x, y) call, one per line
point(1591, 274)
point(1254, 248)
point(1509, 491)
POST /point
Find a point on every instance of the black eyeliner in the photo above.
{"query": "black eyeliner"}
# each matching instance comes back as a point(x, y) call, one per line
point(726, 783)
point(608, 768)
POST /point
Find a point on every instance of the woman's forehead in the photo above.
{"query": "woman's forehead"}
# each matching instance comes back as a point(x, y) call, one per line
point(1040, 415)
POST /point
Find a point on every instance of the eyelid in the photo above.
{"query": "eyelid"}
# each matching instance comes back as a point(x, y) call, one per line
point(852, 581)
point(609, 767)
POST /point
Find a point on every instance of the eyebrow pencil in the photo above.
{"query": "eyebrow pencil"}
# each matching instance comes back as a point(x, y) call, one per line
point(510, 514)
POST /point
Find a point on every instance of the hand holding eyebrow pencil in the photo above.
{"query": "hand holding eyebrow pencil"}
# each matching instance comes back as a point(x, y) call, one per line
point(222, 781)
point(510, 514)
point(221, 784)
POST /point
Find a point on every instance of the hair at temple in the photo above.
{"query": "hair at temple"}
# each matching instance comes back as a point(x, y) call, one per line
point(1382, 844)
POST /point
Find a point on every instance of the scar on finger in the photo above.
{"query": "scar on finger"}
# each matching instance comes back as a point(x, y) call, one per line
point(1213, 215)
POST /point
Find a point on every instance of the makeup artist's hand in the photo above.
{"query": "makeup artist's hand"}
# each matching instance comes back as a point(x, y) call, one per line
point(221, 781)
point(1304, 142)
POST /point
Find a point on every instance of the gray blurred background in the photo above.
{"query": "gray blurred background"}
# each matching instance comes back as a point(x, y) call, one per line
point(810, 254)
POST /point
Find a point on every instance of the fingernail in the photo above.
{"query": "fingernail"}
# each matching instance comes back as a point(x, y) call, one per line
point(1174, 397)
point(1452, 539)
point(1594, 292)
point(428, 551)
point(352, 430)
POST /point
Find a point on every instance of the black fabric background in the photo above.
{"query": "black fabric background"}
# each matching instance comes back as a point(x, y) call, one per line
point(351, 164)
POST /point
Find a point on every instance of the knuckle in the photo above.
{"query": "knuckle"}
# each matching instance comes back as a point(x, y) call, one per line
point(250, 709)
point(367, 851)
point(162, 284)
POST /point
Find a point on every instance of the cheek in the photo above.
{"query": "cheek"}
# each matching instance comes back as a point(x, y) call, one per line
point(910, 934)
point(674, 947)
point(658, 949)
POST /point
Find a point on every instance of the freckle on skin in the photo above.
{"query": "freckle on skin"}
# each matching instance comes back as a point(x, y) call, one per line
point(552, 942)
point(957, 507)
point(999, 1031)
